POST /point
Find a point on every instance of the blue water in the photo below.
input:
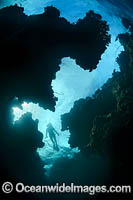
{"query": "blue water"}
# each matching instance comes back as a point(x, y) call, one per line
point(72, 82)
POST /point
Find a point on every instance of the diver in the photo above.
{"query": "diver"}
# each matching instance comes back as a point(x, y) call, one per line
point(51, 131)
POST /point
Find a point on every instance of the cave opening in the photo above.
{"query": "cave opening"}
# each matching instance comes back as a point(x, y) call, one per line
point(73, 83)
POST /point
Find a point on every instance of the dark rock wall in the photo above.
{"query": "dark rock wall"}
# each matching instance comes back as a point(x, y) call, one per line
point(31, 51)
point(103, 124)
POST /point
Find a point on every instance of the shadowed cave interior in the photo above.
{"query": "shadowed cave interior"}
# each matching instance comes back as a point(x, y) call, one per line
point(34, 69)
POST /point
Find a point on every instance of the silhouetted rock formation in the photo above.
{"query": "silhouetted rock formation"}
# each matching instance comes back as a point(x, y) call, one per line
point(32, 48)
point(103, 124)
point(19, 148)
point(19, 161)
point(31, 51)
